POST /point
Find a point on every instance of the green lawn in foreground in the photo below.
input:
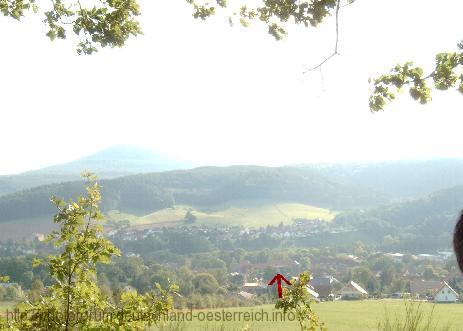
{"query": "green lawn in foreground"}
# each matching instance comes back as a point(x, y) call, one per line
point(339, 316)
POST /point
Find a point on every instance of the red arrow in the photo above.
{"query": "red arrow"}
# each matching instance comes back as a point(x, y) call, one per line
point(278, 278)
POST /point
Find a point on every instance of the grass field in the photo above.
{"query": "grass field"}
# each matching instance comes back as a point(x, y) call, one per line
point(338, 316)
point(250, 216)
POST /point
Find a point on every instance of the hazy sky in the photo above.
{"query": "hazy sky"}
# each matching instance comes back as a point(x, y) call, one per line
point(219, 95)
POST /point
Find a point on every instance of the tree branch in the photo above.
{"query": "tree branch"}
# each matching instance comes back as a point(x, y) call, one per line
point(335, 51)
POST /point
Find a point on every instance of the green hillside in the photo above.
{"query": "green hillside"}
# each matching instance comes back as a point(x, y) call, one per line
point(397, 179)
point(414, 224)
point(207, 187)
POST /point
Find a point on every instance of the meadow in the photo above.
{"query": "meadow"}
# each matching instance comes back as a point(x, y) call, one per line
point(248, 215)
point(338, 316)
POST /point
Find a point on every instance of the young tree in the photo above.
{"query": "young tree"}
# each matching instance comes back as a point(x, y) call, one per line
point(298, 301)
point(189, 217)
point(75, 295)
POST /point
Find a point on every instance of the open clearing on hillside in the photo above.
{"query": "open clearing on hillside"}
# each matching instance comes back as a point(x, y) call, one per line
point(339, 316)
point(249, 216)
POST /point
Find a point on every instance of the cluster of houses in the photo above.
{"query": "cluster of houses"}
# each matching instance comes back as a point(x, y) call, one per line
point(324, 289)
point(321, 289)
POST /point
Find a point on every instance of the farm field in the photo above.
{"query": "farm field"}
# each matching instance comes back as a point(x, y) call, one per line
point(338, 316)
point(248, 215)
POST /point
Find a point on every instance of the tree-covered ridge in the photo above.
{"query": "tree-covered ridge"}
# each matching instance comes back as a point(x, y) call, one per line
point(415, 224)
point(420, 212)
point(207, 186)
point(396, 179)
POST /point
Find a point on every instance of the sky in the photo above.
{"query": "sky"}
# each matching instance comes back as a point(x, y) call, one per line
point(213, 94)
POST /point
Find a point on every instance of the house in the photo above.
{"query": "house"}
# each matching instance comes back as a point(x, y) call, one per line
point(324, 286)
point(445, 294)
point(312, 292)
point(353, 291)
point(396, 257)
point(424, 288)
point(39, 236)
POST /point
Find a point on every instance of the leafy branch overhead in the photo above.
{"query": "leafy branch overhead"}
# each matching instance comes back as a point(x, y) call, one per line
point(96, 24)
point(277, 14)
point(447, 74)
point(102, 23)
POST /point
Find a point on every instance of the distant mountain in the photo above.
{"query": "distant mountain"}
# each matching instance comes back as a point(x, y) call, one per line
point(112, 162)
point(117, 161)
point(201, 187)
point(397, 179)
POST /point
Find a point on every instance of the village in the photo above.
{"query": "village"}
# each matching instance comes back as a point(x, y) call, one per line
point(354, 272)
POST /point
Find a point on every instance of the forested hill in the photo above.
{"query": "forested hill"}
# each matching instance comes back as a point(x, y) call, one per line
point(398, 179)
point(420, 219)
point(202, 187)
